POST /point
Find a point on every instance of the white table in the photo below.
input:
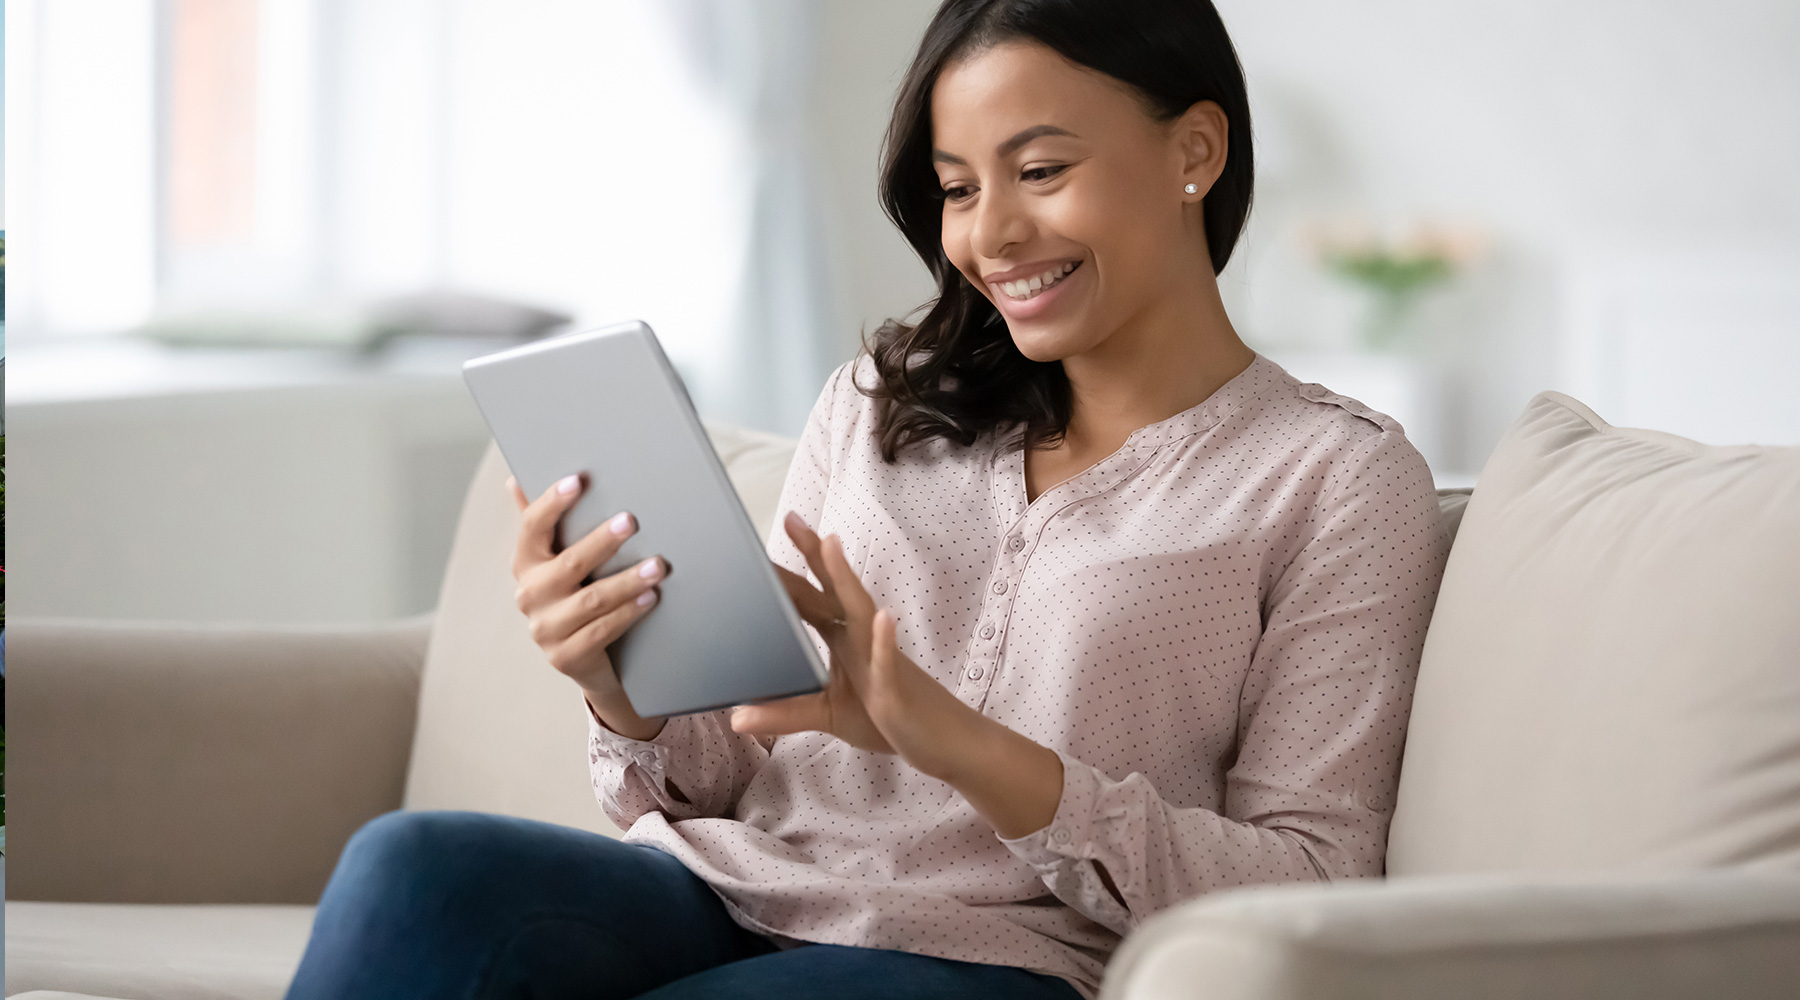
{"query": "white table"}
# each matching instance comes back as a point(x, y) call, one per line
point(251, 485)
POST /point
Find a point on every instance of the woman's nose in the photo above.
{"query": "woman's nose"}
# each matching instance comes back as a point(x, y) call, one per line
point(1000, 222)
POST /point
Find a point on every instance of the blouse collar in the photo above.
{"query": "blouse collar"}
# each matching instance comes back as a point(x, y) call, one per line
point(1238, 391)
point(1226, 400)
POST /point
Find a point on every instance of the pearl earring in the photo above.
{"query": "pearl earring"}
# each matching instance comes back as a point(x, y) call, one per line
point(1192, 189)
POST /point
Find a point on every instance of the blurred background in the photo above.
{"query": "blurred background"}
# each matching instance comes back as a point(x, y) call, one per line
point(253, 240)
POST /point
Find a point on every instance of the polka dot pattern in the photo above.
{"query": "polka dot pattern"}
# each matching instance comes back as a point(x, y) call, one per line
point(1216, 628)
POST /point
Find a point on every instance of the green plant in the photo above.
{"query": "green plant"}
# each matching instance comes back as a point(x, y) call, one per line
point(1396, 272)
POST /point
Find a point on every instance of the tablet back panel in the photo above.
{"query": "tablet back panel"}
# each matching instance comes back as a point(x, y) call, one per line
point(608, 405)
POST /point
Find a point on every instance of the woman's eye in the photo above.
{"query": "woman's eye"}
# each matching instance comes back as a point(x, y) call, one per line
point(957, 193)
point(1044, 173)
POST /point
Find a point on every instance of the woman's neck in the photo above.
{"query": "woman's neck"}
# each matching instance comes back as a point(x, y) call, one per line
point(1168, 359)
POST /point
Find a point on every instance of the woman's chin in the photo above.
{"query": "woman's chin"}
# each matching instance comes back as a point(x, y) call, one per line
point(1043, 345)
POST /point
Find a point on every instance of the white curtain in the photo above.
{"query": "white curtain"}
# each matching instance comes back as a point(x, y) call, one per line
point(756, 59)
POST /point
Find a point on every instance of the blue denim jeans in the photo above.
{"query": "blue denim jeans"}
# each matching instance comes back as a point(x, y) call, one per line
point(470, 905)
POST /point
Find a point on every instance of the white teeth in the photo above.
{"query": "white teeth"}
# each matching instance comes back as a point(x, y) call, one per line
point(1026, 288)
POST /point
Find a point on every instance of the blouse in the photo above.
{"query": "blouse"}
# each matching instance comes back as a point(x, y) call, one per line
point(1216, 628)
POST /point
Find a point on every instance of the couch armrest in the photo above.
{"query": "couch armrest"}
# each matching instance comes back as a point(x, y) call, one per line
point(1721, 933)
point(201, 764)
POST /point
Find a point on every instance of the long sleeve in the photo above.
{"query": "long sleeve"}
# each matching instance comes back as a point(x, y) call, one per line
point(1321, 720)
point(698, 766)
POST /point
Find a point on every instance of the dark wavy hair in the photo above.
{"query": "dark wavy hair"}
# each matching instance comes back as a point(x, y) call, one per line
point(956, 373)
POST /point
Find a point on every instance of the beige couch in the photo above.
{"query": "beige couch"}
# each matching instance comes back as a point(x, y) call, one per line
point(180, 793)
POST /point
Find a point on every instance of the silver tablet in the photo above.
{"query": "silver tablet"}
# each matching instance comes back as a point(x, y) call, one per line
point(607, 404)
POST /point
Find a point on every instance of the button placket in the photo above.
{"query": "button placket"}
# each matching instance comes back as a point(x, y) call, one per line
point(983, 664)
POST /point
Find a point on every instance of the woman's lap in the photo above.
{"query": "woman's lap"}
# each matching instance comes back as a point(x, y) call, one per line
point(433, 904)
point(436, 904)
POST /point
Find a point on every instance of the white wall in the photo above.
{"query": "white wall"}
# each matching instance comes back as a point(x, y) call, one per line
point(1575, 134)
point(866, 49)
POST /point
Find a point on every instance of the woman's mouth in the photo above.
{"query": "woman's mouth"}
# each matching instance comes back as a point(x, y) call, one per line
point(1026, 289)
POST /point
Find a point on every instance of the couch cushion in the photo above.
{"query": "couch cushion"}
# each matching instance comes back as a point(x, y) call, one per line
point(155, 952)
point(1611, 679)
point(499, 730)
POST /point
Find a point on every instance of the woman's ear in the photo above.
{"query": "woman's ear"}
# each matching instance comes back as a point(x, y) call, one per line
point(1201, 137)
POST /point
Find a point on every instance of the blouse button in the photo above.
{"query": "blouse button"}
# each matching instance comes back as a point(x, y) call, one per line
point(1016, 543)
point(987, 631)
point(1060, 835)
point(999, 586)
point(975, 673)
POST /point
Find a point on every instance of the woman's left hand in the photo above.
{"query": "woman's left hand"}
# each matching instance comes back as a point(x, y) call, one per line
point(877, 698)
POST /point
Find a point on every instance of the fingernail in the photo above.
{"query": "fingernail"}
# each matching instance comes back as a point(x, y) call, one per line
point(794, 521)
point(620, 524)
point(511, 482)
point(646, 598)
point(567, 484)
point(651, 569)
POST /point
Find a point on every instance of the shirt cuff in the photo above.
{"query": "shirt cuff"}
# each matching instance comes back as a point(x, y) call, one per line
point(652, 755)
point(1070, 833)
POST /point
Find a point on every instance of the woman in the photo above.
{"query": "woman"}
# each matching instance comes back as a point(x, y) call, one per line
point(1118, 612)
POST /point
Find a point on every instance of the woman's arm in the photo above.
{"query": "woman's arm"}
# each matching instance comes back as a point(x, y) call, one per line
point(1321, 722)
point(697, 765)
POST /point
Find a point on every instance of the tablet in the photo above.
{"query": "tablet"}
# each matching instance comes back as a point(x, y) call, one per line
point(608, 405)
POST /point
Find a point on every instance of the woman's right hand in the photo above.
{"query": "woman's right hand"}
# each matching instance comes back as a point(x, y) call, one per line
point(574, 623)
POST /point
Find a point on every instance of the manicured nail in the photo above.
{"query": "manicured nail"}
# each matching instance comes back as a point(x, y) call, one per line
point(794, 520)
point(620, 524)
point(646, 598)
point(567, 484)
point(511, 482)
point(651, 569)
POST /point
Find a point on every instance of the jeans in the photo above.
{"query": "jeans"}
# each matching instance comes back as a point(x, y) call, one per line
point(470, 905)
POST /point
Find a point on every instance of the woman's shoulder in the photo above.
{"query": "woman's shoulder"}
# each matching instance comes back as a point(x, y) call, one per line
point(844, 402)
point(1327, 412)
point(1351, 442)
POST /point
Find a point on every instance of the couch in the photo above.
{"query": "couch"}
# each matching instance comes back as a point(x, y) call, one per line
point(1600, 795)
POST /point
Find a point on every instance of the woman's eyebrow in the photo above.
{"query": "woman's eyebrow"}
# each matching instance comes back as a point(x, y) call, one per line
point(1009, 146)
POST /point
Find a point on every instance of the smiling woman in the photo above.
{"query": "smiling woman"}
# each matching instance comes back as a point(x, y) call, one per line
point(1118, 612)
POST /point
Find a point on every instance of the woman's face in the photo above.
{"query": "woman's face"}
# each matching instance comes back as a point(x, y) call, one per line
point(1055, 176)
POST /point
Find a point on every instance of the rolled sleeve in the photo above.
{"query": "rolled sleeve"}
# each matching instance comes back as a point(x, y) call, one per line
point(697, 766)
point(1065, 851)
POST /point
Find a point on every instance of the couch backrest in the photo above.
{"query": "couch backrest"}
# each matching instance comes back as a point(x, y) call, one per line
point(499, 730)
point(1612, 676)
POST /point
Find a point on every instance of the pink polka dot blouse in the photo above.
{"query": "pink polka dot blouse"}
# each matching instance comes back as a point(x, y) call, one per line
point(1216, 628)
